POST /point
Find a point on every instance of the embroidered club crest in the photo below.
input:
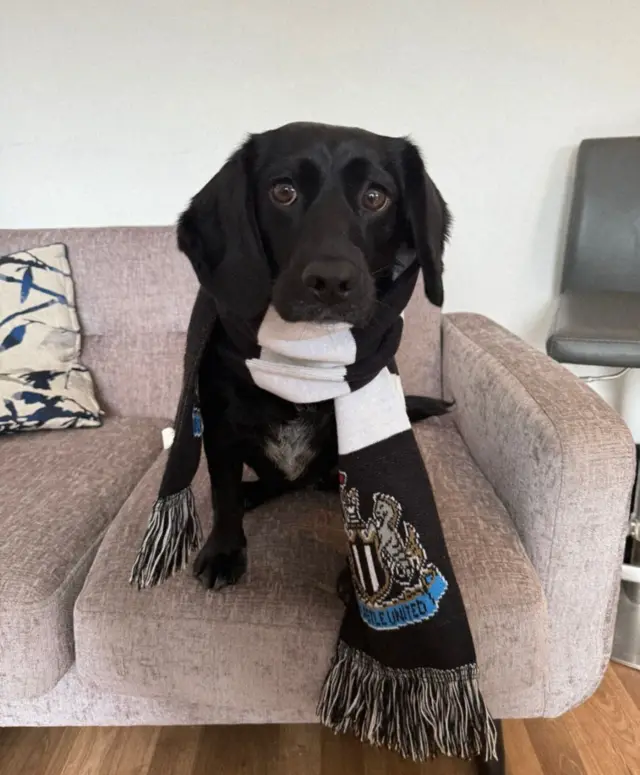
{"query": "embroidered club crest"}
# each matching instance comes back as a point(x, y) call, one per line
point(395, 583)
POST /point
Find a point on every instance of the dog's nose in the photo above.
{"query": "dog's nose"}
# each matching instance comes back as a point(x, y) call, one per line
point(331, 280)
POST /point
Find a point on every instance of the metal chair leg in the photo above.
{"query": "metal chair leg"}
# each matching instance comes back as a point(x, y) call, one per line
point(495, 766)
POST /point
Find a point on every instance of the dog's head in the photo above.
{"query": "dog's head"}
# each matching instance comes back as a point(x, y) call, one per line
point(314, 218)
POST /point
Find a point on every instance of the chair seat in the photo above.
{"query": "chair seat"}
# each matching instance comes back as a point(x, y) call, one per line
point(259, 651)
point(598, 328)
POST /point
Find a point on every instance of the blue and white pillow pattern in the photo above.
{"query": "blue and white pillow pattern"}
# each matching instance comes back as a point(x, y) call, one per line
point(42, 383)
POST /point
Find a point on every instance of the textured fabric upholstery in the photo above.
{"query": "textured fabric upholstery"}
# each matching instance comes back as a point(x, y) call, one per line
point(129, 278)
point(134, 292)
point(138, 375)
point(60, 490)
point(563, 464)
point(73, 702)
point(419, 357)
point(264, 646)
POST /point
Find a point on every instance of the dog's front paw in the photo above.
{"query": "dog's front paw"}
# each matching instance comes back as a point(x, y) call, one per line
point(217, 569)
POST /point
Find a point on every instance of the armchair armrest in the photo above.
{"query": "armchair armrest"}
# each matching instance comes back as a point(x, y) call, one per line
point(563, 463)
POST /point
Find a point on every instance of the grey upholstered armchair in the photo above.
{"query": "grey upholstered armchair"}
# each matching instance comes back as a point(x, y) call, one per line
point(532, 473)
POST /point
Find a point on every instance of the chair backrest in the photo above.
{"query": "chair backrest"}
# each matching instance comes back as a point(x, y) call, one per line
point(603, 241)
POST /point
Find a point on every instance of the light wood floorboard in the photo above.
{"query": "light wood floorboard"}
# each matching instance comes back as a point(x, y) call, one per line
point(602, 737)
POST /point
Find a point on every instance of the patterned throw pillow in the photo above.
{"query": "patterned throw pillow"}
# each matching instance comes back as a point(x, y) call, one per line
point(42, 383)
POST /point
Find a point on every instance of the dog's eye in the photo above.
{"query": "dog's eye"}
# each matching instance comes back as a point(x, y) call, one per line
point(283, 193)
point(375, 200)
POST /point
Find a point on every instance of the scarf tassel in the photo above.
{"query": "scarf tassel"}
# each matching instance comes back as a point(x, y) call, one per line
point(172, 533)
point(418, 713)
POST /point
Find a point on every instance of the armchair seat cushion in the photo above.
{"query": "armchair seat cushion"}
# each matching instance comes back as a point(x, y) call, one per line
point(259, 651)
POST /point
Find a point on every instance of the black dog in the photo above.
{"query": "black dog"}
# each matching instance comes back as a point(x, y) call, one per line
point(326, 214)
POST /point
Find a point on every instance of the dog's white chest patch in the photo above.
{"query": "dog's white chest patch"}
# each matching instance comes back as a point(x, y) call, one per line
point(290, 447)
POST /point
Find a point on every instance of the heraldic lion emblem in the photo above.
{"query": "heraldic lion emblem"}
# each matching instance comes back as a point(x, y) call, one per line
point(395, 583)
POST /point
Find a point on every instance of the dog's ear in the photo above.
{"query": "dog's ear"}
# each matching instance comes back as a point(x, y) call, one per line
point(219, 235)
point(427, 217)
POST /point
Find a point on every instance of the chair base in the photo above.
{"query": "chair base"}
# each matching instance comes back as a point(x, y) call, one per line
point(626, 640)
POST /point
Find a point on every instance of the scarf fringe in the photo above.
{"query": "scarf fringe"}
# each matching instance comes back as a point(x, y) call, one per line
point(172, 533)
point(418, 713)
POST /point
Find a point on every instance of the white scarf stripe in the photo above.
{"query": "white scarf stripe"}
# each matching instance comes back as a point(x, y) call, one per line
point(375, 412)
point(322, 342)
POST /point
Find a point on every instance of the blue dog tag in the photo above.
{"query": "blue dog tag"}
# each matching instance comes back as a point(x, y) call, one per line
point(197, 422)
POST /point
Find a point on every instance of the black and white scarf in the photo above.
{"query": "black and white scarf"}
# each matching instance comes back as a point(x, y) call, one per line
point(404, 675)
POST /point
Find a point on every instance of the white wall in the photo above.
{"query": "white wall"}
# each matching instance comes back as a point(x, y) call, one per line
point(116, 112)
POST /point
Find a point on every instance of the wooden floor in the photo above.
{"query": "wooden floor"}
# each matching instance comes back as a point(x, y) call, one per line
point(600, 738)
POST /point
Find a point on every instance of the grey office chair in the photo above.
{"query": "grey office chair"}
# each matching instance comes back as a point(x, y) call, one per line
point(598, 317)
